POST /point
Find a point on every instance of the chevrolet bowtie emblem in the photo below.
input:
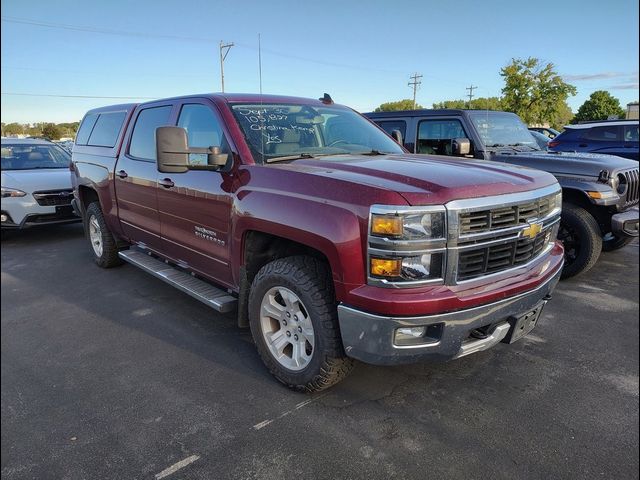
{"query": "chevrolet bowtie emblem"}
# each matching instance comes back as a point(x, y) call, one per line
point(532, 230)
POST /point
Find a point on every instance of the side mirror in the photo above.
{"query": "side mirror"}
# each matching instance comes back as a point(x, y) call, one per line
point(172, 151)
point(460, 146)
point(397, 136)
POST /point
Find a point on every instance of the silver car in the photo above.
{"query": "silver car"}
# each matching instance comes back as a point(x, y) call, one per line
point(36, 184)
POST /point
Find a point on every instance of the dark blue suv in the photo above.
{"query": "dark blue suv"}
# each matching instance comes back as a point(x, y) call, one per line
point(614, 137)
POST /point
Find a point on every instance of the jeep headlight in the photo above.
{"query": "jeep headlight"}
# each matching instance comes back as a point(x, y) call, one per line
point(12, 192)
point(406, 245)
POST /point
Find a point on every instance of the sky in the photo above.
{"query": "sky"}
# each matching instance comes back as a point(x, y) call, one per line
point(360, 52)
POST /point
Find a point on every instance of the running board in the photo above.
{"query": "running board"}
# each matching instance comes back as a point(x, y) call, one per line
point(216, 298)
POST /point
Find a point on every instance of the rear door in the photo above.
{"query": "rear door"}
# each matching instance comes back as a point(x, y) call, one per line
point(136, 177)
point(195, 206)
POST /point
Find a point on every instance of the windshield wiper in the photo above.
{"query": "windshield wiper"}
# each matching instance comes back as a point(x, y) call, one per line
point(373, 153)
point(289, 157)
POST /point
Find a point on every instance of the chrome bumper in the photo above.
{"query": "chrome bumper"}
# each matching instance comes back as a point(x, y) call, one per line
point(369, 337)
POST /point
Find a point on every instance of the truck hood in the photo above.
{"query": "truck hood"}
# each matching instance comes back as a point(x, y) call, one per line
point(34, 180)
point(425, 179)
point(566, 163)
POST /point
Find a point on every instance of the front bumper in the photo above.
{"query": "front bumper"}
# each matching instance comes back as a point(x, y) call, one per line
point(625, 224)
point(18, 213)
point(369, 337)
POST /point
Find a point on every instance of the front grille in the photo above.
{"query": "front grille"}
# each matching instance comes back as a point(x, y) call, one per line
point(632, 179)
point(54, 198)
point(476, 262)
point(503, 217)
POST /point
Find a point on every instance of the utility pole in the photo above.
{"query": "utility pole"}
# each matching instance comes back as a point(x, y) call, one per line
point(224, 51)
point(470, 94)
point(415, 84)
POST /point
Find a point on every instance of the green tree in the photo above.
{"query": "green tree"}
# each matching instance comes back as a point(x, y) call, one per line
point(533, 90)
point(13, 129)
point(406, 104)
point(481, 103)
point(51, 131)
point(563, 117)
point(600, 106)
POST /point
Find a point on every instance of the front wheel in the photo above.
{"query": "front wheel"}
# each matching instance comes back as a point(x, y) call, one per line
point(582, 240)
point(103, 245)
point(294, 324)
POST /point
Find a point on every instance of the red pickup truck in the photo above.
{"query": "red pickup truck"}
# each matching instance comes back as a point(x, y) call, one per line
point(327, 238)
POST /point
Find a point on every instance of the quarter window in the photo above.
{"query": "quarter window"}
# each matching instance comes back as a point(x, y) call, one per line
point(631, 133)
point(85, 129)
point(434, 136)
point(106, 129)
point(203, 131)
point(143, 139)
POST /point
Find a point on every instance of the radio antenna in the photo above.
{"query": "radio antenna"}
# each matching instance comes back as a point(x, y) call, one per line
point(260, 63)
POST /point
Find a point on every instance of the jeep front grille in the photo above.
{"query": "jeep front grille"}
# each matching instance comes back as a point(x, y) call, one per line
point(632, 179)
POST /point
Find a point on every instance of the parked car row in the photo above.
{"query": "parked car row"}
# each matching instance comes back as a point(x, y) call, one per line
point(332, 240)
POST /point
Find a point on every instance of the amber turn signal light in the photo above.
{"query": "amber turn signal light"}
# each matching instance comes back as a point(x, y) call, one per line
point(386, 225)
point(385, 267)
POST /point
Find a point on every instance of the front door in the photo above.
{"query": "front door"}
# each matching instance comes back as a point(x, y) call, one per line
point(195, 206)
point(136, 179)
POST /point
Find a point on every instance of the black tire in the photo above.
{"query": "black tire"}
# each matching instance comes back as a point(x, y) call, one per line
point(109, 255)
point(310, 280)
point(580, 234)
point(611, 243)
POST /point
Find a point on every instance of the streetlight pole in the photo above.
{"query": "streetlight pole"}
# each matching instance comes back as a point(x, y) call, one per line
point(224, 51)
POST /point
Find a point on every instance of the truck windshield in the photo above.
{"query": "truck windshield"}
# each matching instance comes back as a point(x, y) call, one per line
point(279, 132)
point(28, 157)
point(502, 129)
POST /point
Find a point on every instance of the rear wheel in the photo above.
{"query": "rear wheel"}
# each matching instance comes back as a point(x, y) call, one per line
point(610, 242)
point(582, 240)
point(294, 324)
point(103, 245)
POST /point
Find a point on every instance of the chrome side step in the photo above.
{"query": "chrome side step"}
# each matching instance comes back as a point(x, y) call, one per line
point(216, 298)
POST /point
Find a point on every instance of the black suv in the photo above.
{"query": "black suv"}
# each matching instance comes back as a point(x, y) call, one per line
point(599, 191)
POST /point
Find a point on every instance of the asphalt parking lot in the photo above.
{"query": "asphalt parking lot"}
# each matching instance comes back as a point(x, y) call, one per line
point(113, 374)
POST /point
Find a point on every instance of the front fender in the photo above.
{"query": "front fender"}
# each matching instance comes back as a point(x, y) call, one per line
point(580, 186)
point(332, 229)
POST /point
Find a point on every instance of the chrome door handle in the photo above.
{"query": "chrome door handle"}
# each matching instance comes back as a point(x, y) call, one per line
point(122, 174)
point(166, 182)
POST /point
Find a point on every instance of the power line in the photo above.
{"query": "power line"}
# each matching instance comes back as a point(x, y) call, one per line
point(73, 96)
point(415, 84)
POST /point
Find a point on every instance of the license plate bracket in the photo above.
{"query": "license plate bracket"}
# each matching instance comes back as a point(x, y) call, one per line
point(523, 324)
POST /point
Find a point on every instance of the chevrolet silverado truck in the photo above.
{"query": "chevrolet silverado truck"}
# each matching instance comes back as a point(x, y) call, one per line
point(600, 192)
point(329, 241)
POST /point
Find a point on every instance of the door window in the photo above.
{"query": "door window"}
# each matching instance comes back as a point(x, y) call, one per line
point(604, 134)
point(143, 139)
point(203, 131)
point(434, 136)
point(391, 125)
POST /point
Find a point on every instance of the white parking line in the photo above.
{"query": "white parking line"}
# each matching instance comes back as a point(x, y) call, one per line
point(176, 466)
point(298, 406)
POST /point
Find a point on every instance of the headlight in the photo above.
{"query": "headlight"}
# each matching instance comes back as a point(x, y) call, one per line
point(12, 192)
point(406, 245)
point(556, 201)
point(408, 226)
